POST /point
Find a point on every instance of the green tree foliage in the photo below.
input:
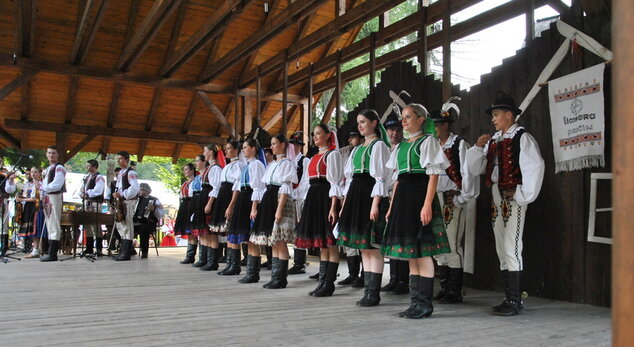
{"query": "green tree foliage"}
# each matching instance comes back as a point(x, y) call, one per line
point(11, 157)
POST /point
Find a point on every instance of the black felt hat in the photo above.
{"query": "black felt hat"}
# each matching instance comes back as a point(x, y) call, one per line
point(297, 138)
point(442, 117)
point(505, 102)
point(393, 123)
point(354, 133)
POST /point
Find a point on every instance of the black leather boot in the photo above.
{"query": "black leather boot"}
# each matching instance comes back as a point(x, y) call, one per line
point(354, 265)
point(329, 284)
point(253, 270)
point(393, 276)
point(281, 276)
point(268, 264)
point(190, 256)
point(125, 253)
point(374, 289)
point(89, 248)
point(323, 267)
point(53, 247)
point(212, 259)
point(366, 289)
point(514, 300)
point(99, 252)
point(223, 253)
point(275, 268)
point(228, 261)
point(202, 257)
point(299, 262)
point(443, 276)
point(424, 298)
point(4, 239)
point(455, 287)
point(505, 282)
point(234, 259)
point(414, 287)
point(359, 281)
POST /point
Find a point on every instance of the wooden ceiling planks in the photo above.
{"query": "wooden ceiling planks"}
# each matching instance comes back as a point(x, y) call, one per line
point(85, 45)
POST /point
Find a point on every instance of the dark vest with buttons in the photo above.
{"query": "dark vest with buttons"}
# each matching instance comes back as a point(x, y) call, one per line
point(507, 152)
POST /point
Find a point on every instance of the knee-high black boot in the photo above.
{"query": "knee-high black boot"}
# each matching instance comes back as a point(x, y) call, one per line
point(373, 289)
point(229, 257)
point(323, 267)
point(253, 270)
point(354, 266)
point(514, 300)
point(202, 257)
point(393, 276)
point(329, 284)
point(424, 297)
point(144, 241)
point(281, 275)
point(455, 287)
point(234, 268)
point(190, 256)
point(223, 253)
point(299, 262)
point(99, 252)
point(443, 275)
point(212, 259)
point(245, 254)
point(414, 287)
point(403, 278)
point(505, 282)
point(275, 268)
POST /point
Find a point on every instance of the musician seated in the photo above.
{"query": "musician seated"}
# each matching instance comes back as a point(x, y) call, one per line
point(148, 213)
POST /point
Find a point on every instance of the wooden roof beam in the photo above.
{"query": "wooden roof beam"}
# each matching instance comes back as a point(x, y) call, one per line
point(26, 27)
point(279, 23)
point(83, 143)
point(16, 83)
point(216, 112)
point(354, 16)
point(86, 30)
point(559, 6)
point(177, 152)
point(392, 32)
point(105, 131)
point(158, 15)
point(212, 28)
point(9, 138)
point(471, 26)
point(70, 102)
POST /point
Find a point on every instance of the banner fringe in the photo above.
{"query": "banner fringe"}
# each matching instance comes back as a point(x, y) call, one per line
point(580, 163)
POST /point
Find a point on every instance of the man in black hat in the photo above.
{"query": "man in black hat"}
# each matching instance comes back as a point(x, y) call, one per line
point(399, 269)
point(299, 192)
point(92, 193)
point(514, 169)
point(455, 188)
point(149, 211)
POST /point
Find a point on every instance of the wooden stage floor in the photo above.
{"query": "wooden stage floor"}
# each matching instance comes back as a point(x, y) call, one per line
point(159, 302)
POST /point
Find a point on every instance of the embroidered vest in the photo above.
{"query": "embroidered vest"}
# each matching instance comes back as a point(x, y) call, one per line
point(361, 158)
point(453, 155)
point(507, 152)
point(50, 177)
point(408, 156)
point(317, 165)
point(92, 182)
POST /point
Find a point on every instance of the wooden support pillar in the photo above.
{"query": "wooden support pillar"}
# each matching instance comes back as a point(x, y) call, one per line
point(422, 38)
point(247, 114)
point(372, 68)
point(285, 94)
point(236, 102)
point(623, 171)
point(530, 20)
point(258, 90)
point(446, 51)
point(338, 91)
point(60, 143)
point(308, 122)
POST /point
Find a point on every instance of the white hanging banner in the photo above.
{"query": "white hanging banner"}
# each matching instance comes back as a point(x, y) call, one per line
point(577, 118)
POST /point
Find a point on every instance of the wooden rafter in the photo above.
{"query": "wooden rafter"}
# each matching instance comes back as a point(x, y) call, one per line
point(86, 30)
point(83, 143)
point(25, 77)
point(213, 51)
point(278, 24)
point(105, 131)
point(472, 25)
point(216, 112)
point(149, 122)
point(26, 27)
point(329, 32)
point(132, 14)
point(158, 15)
point(393, 32)
point(213, 27)
point(559, 6)
point(9, 138)
point(176, 30)
point(70, 101)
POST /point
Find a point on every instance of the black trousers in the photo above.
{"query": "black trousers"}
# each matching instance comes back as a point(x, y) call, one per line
point(144, 231)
